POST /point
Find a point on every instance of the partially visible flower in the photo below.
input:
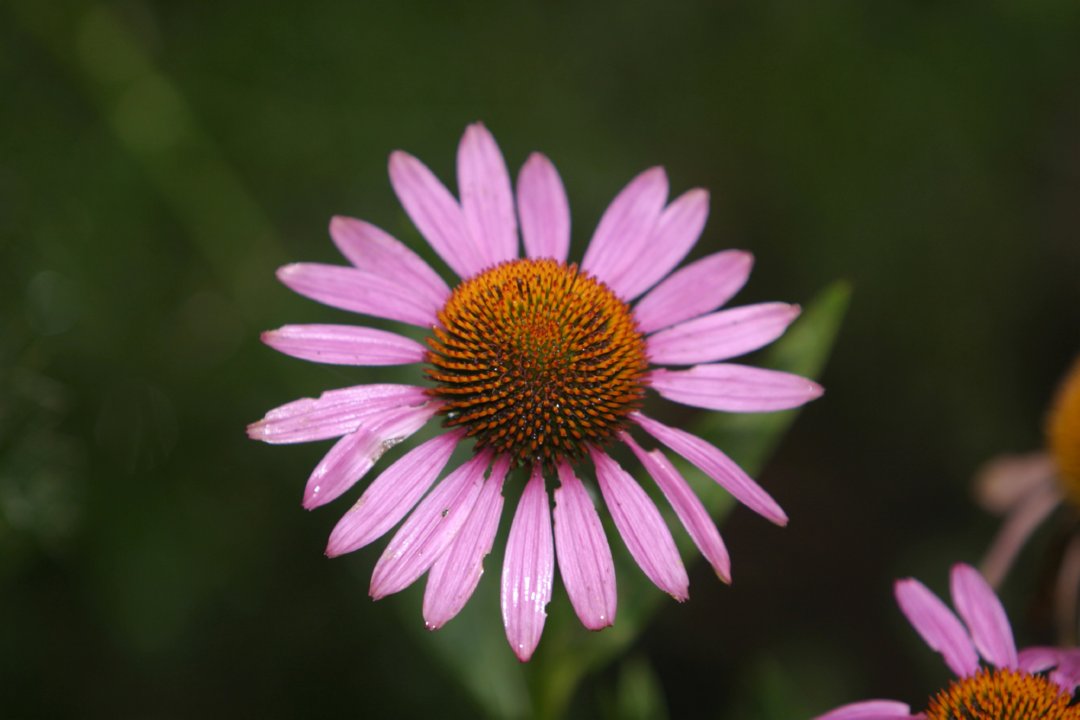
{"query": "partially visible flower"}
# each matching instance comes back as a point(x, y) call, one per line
point(544, 364)
point(1037, 682)
point(1026, 489)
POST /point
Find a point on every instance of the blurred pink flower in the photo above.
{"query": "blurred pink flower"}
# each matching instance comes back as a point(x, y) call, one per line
point(1037, 682)
point(542, 363)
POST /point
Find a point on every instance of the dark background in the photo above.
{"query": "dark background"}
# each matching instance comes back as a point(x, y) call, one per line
point(159, 160)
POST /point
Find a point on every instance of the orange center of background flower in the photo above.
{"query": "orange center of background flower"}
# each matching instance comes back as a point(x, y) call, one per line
point(1063, 431)
point(1002, 695)
point(536, 360)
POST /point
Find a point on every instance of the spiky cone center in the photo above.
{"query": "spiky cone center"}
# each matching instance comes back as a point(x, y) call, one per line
point(1063, 433)
point(537, 360)
point(1002, 694)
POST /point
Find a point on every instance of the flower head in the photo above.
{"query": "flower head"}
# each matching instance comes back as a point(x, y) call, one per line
point(1037, 682)
point(543, 364)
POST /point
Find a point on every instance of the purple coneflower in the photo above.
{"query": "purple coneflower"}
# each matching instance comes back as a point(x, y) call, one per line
point(543, 364)
point(1037, 682)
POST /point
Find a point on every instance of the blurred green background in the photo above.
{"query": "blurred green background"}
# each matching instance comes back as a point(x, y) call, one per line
point(159, 160)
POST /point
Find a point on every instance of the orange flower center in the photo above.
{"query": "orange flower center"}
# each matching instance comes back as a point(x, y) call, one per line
point(1002, 695)
point(536, 360)
point(1063, 431)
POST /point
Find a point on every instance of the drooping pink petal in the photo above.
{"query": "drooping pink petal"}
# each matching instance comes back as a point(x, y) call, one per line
point(678, 228)
point(937, 625)
point(360, 292)
point(711, 461)
point(344, 345)
point(625, 228)
point(984, 616)
point(870, 710)
point(734, 388)
point(721, 335)
point(641, 527)
point(435, 213)
point(456, 573)
point(353, 455)
point(528, 567)
point(543, 209)
point(375, 251)
point(700, 287)
point(585, 562)
point(429, 529)
point(693, 515)
point(486, 198)
point(1019, 525)
point(334, 413)
point(392, 495)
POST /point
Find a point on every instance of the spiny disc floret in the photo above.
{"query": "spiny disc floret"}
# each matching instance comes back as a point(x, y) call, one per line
point(536, 359)
point(1003, 694)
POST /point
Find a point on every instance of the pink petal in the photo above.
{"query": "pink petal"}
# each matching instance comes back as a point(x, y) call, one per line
point(734, 388)
point(721, 335)
point(1004, 482)
point(353, 455)
point(700, 287)
point(716, 465)
point(641, 527)
point(344, 345)
point(984, 616)
point(1019, 525)
point(625, 228)
point(585, 562)
point(938, 626)
point(486, 198)
point(455, 575)
point(360, 292)
point(679, 227)
point(375, 251)
point(435, 213)
point(1063, 664)
point(392, 495)
point(544, 210)
point(527, 569)
point(693, 515)
point(870, 710)
point(429, 530)
point(334, 413)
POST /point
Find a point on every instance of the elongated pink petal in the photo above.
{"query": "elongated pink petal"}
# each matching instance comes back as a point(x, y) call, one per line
point(528, 568)
point(1063, 664)
point(693, 515)
point(984, 616)
point(544, 210)
point(353, 455)
point(455, 575)
point(700, 287)
point(938, 626)
point(392, 495)
point(678, 228)
point(360, 292)
point(1018, 526)
point(641, 527)
point(486, 198)
point(375, 251)
point(334, 413)
point(435, 213)
point(344, 345)
point(625, 228)
point(870, 710)
point(429, 530)
point(711, 461)
point(734, 388)
point(721, 335)
point(585, 562)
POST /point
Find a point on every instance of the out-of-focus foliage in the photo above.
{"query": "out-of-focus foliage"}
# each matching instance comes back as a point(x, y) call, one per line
point(159, 160)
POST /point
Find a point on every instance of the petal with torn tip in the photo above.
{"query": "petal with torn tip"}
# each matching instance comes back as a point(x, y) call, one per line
point(455, 575)
point(734, 388)
point(585, 562)
point(392, 495)
point(429, 530)
point(528, 568)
